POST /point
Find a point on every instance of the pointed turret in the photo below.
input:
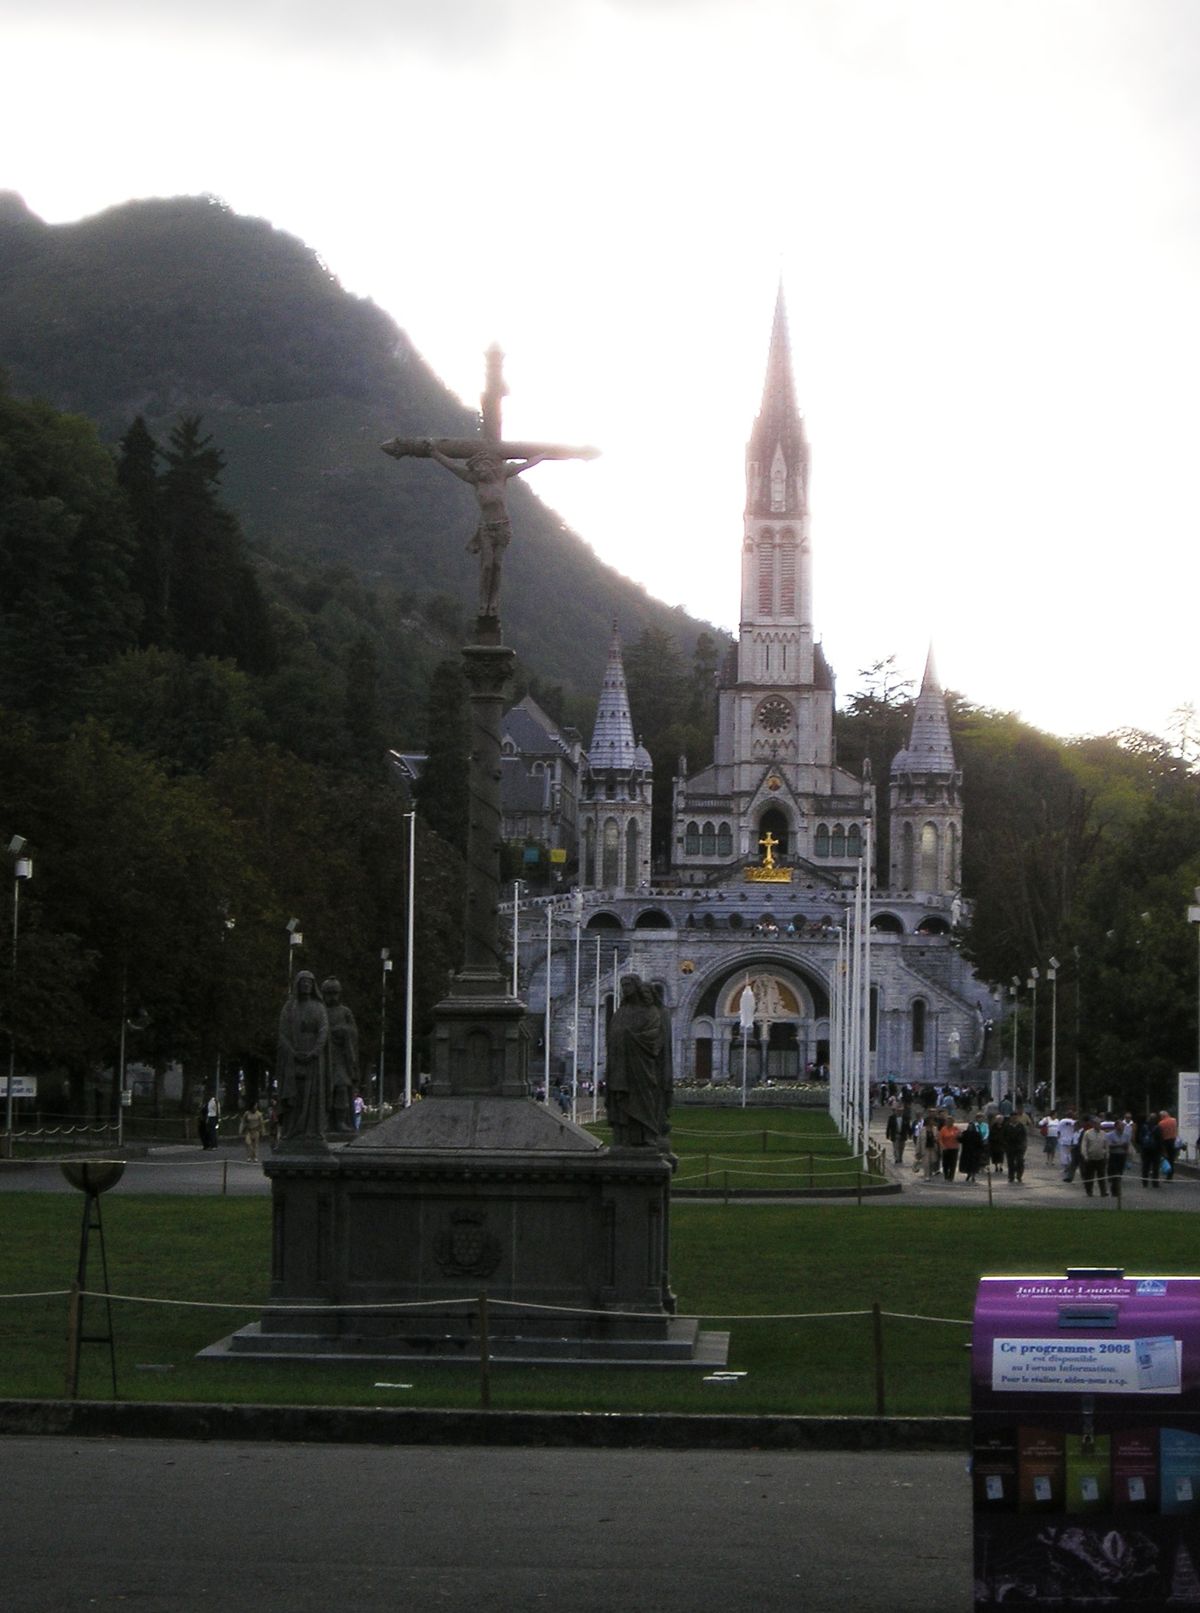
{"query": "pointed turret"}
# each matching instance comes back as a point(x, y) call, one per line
point(613, 743)
point(929, 749)
point(926, 799)
point(615, 821)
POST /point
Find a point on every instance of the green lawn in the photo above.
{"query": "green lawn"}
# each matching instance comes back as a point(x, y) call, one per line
point(728, 1262)
point(757, 1148)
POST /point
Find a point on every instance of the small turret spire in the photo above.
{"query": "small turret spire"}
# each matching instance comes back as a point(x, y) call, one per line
point(612, 738)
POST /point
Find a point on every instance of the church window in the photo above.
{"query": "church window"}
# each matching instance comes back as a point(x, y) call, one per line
point(778, 482)
point(735, 921)
point(691, 840)
point(906, 858)
point(838, 843)
point(612, 855)
point(854, 841)
point(610, 787)
point(589, 852)
point(787, 580)
point(708, 841)
point(918, 1025)
point(953, 871)
point(631, 856)
point(766, 575)
point(724, 841)
point(929, 858)
point(822, 842)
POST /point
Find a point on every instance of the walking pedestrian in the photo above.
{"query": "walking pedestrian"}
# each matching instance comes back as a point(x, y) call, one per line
point(1120, 1139)
point(1093, 1157)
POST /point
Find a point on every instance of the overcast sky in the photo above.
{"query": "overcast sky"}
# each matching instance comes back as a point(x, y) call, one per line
point(984, 212)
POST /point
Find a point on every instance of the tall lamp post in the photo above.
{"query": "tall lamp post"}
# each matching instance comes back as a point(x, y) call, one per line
point(577, 921)
point(1032, 984)
point(385, 960)
point(1014, 993)
point(1193, 913)
point(22, 869)
point(517, 883)
point(408, 959)
point(1052, 977)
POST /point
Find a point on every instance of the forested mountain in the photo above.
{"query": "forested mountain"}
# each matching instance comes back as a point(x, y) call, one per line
point(180, 307)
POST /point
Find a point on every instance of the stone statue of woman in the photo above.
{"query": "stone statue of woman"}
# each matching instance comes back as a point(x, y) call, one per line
point(343, 1058)
point(635, 1077)
point(302, 1065)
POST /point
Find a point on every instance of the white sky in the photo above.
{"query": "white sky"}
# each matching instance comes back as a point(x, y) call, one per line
point(985, 213)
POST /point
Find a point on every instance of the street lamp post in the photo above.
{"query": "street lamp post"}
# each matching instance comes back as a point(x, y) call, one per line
point(517, 883)
point(385, 960)
point(577, 920)
point(408, 958)
point(1032, 983)
point(1193, 914)
point(1014, 993)
point(1052, 977)
point(22, 869)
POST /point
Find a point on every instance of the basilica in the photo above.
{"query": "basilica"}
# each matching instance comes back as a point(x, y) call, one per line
point(767, 841)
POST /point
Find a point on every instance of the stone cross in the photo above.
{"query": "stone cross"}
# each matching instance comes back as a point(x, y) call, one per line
point(486, 463)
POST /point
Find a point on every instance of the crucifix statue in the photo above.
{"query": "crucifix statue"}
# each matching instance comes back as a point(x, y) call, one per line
point(768, 843)
point(480, 1037)
point(487, 464)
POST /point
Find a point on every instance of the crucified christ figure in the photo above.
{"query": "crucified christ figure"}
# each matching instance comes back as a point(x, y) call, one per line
point(487, 464)
point(487, 473)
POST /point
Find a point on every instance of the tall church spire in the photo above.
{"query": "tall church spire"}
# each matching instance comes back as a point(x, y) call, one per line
point(777, 453)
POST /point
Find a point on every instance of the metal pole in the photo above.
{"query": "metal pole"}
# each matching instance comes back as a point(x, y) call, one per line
point(516, 931)
point(1033, 982)
point(1052, 976)
point(596, 1035)
point(385, 959)
point(866, 1032)
point(1078, 1103)
point(23, 869)
point(577, 914)
point(408, 960)
point(546, 1028)
point(120, 1076)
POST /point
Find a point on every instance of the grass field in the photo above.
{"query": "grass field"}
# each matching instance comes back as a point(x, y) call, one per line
point(728, 1262)
point(732, 1149)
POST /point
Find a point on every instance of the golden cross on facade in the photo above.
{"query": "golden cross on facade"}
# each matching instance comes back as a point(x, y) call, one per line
point(768, 843)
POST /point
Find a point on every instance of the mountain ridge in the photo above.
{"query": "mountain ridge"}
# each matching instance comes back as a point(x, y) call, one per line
point(166, 306)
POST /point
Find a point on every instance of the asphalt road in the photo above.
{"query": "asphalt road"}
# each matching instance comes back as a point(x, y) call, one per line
point(168, 1527)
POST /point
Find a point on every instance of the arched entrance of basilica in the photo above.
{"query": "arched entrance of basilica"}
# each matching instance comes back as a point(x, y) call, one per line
point(791, 1024)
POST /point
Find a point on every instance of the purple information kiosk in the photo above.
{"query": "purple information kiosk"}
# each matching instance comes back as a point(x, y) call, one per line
point(1085, 1399)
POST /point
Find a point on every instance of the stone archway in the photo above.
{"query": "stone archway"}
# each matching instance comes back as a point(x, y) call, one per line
point(793, 1003)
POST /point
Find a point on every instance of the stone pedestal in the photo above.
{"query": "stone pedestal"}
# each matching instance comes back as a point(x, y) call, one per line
point(460, 1197)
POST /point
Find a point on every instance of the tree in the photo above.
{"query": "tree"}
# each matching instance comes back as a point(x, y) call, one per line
point(212, 602)
point(66, 547)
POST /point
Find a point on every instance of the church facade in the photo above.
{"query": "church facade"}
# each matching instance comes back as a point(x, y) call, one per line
point(767, 841)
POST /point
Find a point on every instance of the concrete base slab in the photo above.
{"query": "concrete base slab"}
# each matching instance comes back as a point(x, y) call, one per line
point(684, 1345)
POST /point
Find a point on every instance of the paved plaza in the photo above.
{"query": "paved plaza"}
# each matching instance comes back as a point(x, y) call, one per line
point(177, 1527)
point(186, 1168)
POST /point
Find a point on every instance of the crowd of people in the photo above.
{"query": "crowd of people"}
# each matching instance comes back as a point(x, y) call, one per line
point(997, 1136)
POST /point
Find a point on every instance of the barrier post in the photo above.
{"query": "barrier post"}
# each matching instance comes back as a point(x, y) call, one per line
point(74, 1309)
point(764, 1139)
point(811, 1175)
point(989, 1183)
point(224, 1177)
point(877, 1338)
point(485, 1364)
point(726, 1174)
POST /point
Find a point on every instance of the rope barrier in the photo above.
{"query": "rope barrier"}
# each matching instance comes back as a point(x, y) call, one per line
point(493, 1301)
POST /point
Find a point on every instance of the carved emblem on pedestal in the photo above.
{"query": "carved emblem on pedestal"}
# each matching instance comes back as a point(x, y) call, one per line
point(465, 1248)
